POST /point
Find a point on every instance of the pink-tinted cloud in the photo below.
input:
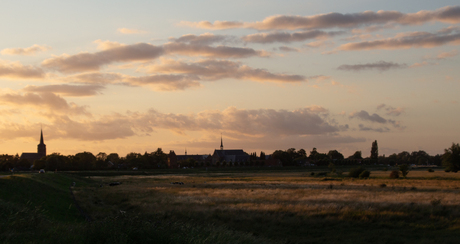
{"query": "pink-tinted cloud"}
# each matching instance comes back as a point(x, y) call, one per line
point(406, 41)
point(213, 52)
point(380, 66)
point(203, 39)
point(67, 90)
point(25, 51)
point(130, 31)
point(16, 70)
point(93, 61)
point(44, 100)
point(212, 70)
point(286, 37)
point(449, 14)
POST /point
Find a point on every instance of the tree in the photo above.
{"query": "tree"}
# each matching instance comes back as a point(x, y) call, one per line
point(262, 155)
point(374, 152)
point(335, 155)
point(451, 158)
point(404, 168)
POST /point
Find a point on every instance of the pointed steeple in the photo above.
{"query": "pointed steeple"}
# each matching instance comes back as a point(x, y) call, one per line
point(41, 148)
point(221, 142)
point(41, 137)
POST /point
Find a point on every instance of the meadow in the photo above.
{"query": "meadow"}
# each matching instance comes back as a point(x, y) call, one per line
point(263, 206)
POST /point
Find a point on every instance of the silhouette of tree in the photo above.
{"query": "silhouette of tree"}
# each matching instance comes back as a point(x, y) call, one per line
point(451, 158)
point(374, 152)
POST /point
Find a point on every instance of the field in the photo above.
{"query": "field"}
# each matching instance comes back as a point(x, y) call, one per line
point(263, 206)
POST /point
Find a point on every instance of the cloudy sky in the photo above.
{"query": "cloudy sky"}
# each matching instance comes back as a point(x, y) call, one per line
point(132, 76)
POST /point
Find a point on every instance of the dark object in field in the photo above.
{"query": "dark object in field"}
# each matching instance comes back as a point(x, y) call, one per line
point(394, 174)
point(177, 183)
point(355, 172)
point(383, 185)
point(115, 184)
point(321, 174)
point(430, 170)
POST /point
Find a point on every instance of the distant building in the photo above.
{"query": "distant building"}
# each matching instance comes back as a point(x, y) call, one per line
point(41, 151)
point(229, 156)
point(175, 161)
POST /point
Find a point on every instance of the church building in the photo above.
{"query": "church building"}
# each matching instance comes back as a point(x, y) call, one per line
point(41, 151)
point(230, 156)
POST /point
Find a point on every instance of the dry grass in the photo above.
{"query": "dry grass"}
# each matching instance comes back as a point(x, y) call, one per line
point(275, 198)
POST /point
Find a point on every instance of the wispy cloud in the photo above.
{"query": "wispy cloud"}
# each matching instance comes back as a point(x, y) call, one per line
point(408, 40)
point(93, 61)
point(130, 31)
point(43, 100)
point(381, 66)
point(67, 90)
point(25, 51)
point(286, 37)
point(16, 70)
point(449, 14)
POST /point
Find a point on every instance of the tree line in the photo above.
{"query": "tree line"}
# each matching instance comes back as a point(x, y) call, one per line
point(290, 157)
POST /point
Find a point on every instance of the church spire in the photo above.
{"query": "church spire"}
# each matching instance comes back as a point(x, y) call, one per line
point(221, 142)
point(41, 136)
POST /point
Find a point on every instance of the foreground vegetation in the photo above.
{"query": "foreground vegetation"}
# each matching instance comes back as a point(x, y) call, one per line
point(232, 206)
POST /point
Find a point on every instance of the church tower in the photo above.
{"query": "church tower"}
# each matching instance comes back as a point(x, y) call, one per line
point(41, 148)
point(221, 143)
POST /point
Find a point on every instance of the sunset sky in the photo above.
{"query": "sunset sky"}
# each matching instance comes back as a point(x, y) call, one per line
point(133, 76)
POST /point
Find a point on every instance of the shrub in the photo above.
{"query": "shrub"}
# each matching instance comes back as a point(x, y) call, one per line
point(394, 174)
point(365, 174)
point(312, 173)
point(404, 169)
point(355, 172)
point(430, 170)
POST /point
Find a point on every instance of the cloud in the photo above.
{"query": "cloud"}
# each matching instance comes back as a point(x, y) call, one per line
point(424, 63)
point(96, 78)
point(391, 110)
point(217, 25)
point(406, 41)
point(363, 115)
point(16, 70)
point(25, 51)
point(43, 100)
point(115, 52)
point(67, 90)
point(301, 124)
point(288, 49)
point(286, 37)
point(93, 61)
point(212, 70)
point(167, 82)
point(130, 31)
point(445, 55)
point(305, 121)
point(381, 130)
point(212, 52)
point(449, 14)
point(203, 39)
point(381, 66)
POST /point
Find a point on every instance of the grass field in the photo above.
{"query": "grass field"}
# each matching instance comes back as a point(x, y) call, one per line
point(254, 206)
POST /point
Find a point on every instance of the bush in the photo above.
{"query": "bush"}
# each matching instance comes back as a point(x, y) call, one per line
point(355, 172)
point(404, 169)
point(365, 174)
point(394, 174)
point(430, 170)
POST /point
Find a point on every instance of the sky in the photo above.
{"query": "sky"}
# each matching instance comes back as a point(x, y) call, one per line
point(133, 76)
